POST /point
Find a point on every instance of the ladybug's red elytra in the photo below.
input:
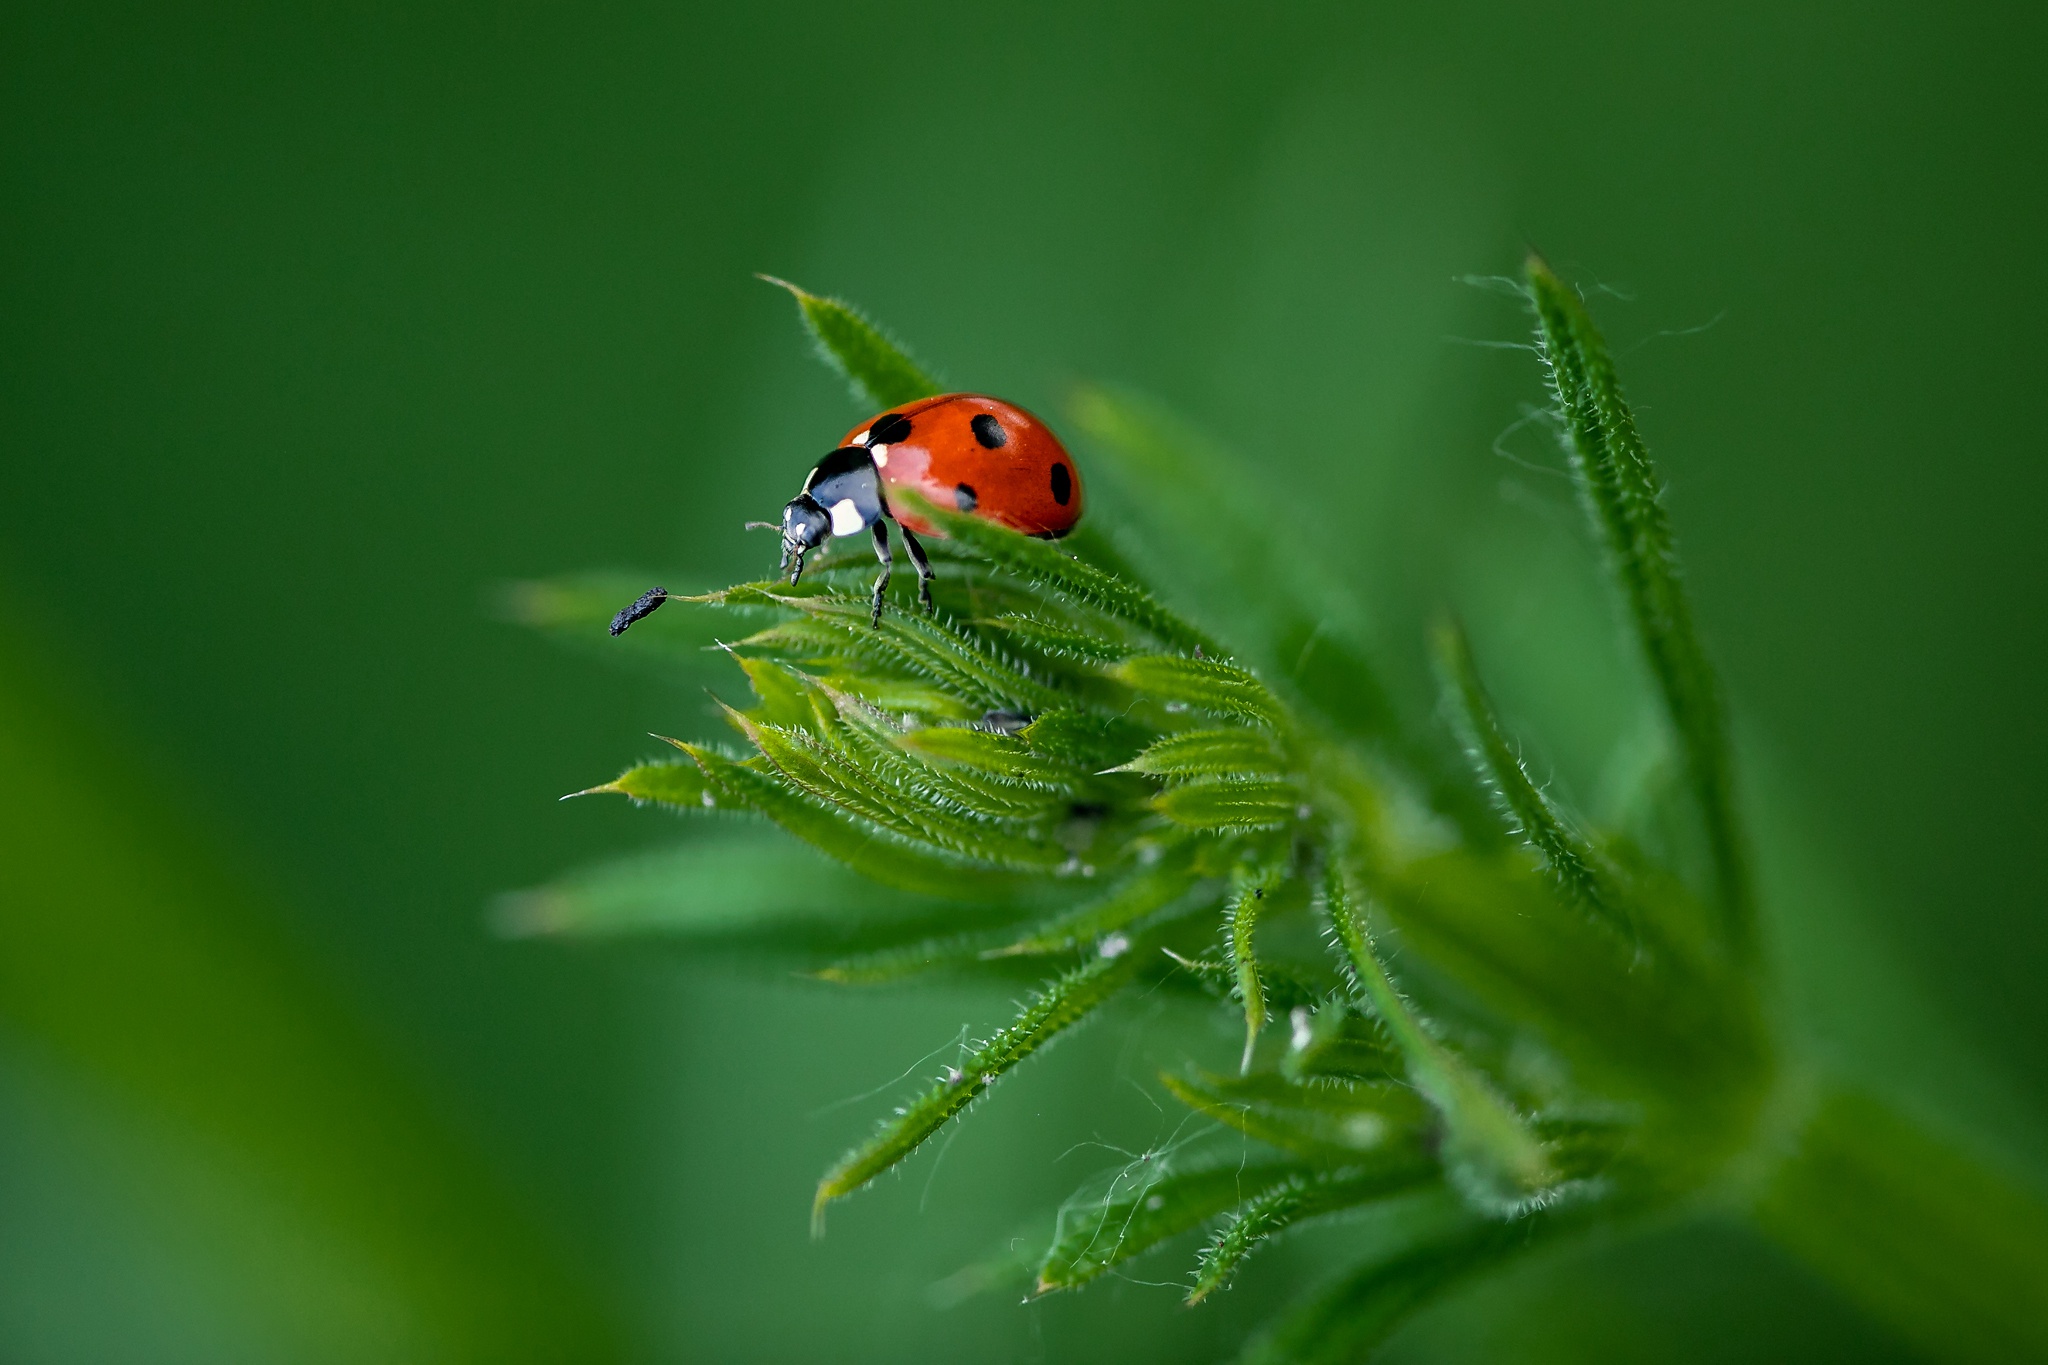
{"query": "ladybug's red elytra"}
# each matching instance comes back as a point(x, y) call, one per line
point(965, 451)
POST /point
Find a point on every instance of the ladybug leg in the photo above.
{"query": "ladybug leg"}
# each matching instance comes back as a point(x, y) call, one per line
point(924, 567)
point(888, 565)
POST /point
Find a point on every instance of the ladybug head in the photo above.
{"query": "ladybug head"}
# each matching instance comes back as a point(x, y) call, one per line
point(804, 527)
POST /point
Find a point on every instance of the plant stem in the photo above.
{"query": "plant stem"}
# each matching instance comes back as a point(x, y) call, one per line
point(1948, 1250)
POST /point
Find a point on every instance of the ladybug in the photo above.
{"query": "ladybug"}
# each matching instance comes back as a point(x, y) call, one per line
point(966, 451)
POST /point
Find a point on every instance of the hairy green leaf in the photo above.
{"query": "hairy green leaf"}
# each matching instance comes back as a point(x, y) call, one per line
point(1285, 988)
point(1063, 1003)
point(1327, 1120)
point(1488, 1149)
point(1303, 1197)
point(1202, 684)
point(1139, 1211)
point(1249, 886)
point(1055, 639)
point(1089, 742)
point(1209, 753)
point(842, 775)
point(1579, 872)
point(1230, 805)
point(677, 783)
point(1337, 1040)
point(1626, 498)
point(1146, 892)
point(1043, 563)
point(872, 850)
point(1002, 756)
point(877, 369)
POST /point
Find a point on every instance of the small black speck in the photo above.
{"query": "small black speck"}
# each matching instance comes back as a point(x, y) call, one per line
point(888, 430)
point(1062, 483)
point(964, 499)
point(643, 605)
point(989, 432)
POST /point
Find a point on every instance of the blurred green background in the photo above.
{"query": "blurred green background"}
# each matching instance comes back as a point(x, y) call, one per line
point(320, 325)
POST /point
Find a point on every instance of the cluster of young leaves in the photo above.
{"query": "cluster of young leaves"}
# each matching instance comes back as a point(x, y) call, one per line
point(1059, 777)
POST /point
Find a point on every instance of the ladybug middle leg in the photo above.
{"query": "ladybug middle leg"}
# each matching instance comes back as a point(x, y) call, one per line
point(888, 566)
point(924, 567)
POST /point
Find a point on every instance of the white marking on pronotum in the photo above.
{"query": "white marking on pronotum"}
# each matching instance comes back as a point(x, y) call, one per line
point(845, 517)
point(881, 454)
point(861, 439)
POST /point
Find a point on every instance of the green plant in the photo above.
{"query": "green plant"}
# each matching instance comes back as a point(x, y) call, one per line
point(1503, 1024)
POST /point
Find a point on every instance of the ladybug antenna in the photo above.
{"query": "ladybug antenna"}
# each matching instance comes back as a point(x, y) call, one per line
point(764, 526)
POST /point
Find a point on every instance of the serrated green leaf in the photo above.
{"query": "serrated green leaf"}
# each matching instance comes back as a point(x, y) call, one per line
point(1304, 1197)
point(1089, 742)
point(1229, 805)
point(1488, 1149)
point(1001, 756)
point(923, 646)
point(1201, 684)
point(1063, 1003)
point(1054, 639)
point(873, 741)
point(1286, 989)
point(880, 374)
point(1337, 1040)
point(1625, 495)
point(1580, 874)
point(1232, 752)
point(1144, 893)
point(784, 694)
point(900, 962)
point(1041, 562)
point(901, 696)
point(678, 783)
point(840, 775)
point(1138, 1213)
point(1249, 887)
point(1326, 1120)
point(872, 850)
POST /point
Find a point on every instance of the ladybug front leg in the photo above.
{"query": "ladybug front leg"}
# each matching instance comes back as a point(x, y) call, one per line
point(924, 566)
point(888, 565)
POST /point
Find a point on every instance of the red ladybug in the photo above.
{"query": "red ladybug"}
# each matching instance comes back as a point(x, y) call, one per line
point(966, 451)
point(959, 450)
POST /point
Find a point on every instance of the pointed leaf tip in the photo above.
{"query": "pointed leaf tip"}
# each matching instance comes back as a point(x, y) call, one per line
point(879, 371)
point(602, 789)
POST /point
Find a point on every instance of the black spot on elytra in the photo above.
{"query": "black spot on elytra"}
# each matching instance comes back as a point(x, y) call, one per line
point(1062, 483)
point(964, 499)
point(989, 432)
point(887, 431)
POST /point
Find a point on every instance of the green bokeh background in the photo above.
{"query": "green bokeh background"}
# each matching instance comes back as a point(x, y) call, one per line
point(316, 327)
